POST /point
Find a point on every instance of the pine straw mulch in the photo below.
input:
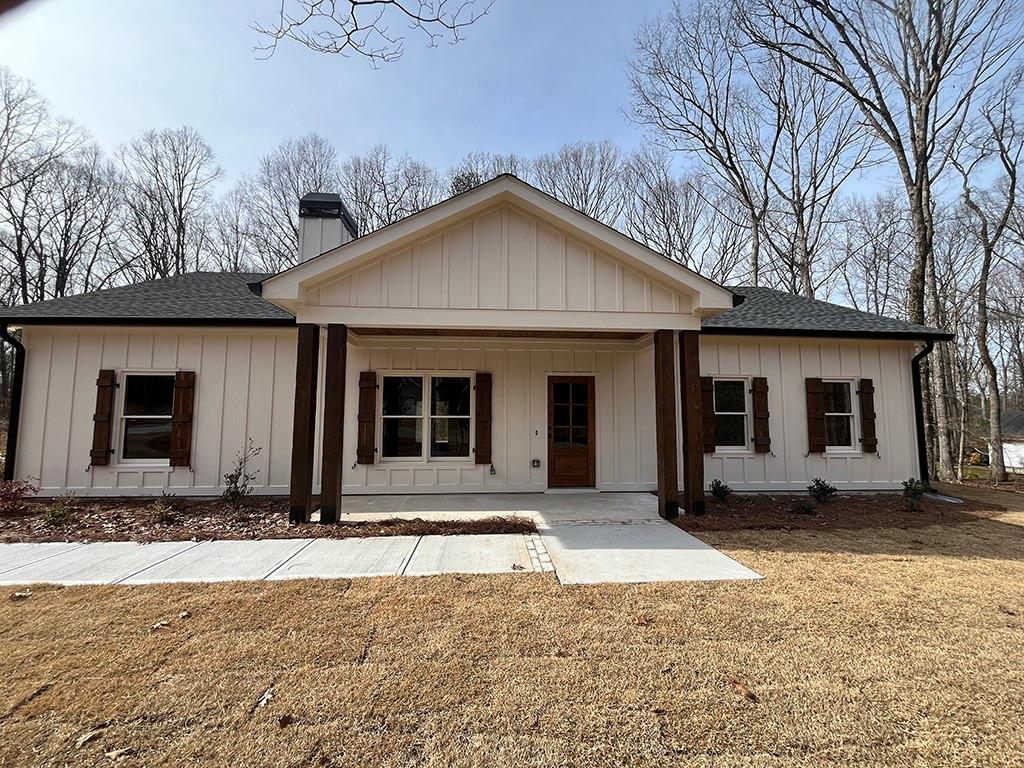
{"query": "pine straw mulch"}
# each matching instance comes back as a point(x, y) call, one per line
point(176, 519)
point(783, 512)
point(861, 647)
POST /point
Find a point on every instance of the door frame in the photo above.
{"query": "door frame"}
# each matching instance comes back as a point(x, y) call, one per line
point(591, 381)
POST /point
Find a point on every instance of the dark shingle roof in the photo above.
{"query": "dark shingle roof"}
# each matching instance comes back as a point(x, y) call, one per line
point(199, 298)
point(225, 298)
point(767, 311)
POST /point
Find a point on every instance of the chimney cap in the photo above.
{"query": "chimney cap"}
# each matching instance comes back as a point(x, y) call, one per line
point(327, 205)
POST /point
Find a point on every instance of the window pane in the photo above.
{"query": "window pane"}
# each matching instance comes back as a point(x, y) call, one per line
point(579, 437)
point(837, 397)
point(730, 431)
point(729, 396)
point(579, 414)
point(561, 437)
point(451, 396)
point(839, 431)
point(402, 437)
point(149, 395)
point(579, 392)
point(147, 439)
point(450, 438)
point(403, 396)
point(560, 392)
point(561, 415)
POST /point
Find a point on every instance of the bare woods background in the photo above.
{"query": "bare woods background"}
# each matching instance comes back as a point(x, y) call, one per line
point(858, 152)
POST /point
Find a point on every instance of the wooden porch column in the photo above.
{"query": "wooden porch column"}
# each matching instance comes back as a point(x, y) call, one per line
point(304, 423)
point(665, 421)
point(693, 445)
point(334, 420)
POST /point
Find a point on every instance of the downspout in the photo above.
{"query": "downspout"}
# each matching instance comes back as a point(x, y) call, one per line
point(922, 446)
point(14, 413)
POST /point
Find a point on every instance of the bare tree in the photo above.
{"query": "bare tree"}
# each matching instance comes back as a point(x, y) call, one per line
point(363, 27)
point(478, 167)
point(997, 139)
point(912, 68)
point(692, 86)
point(168, 175)
point(586, 175)
point(875, 246)
point(286, 173)
point(230, 241)
point(385, 188)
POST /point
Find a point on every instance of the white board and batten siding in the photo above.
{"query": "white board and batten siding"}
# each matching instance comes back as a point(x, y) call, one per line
point(503, 259)
point(245, 383)
point(787, 363)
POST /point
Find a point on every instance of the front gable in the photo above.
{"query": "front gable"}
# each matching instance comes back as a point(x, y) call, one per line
point(503, 258)
point(503, 255)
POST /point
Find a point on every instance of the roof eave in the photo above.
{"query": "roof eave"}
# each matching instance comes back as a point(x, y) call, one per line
point(831, 333)
point(183, 322)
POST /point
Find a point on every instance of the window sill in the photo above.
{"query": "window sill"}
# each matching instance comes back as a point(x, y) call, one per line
point(741, 452)
point(142, 464)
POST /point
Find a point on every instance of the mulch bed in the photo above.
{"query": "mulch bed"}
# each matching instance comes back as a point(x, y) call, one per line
point(148, 520)
point(783, 512)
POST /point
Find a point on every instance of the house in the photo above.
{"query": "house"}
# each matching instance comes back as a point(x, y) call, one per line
point(1012, 423)
point(499, 341)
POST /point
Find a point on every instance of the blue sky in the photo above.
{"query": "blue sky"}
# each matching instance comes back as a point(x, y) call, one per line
point(531, 76)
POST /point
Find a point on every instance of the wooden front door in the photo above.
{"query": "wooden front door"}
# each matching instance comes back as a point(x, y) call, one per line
point(571, 443)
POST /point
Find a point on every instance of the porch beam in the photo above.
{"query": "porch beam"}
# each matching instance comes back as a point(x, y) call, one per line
point(665, 423)
point(334, 418)
point(693, 446)
point(307, 356)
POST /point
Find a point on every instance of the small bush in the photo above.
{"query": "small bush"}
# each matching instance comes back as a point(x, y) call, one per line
point(164, 509)
point(913, 491)
point(62, 510)
point(13, 494)
point(238, 482)
point(802, 506)
point(821, 491)
point(720, 490)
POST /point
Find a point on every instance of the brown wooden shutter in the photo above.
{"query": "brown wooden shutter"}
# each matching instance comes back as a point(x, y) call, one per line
point(759, 400)
point(103, 418)
point(483, 418)
point(181, 418)
point(366, 442)
point(815, 416)
point(707, 412)
point(868, 435)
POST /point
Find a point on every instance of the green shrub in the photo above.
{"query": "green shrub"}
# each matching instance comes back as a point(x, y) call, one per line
point(821, 491)
point(913, 491)
point(62, 510)
point(720, 490)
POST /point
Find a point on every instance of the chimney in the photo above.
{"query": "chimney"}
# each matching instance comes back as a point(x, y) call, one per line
point(324, 224)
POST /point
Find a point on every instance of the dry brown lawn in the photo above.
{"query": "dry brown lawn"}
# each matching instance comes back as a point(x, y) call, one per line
point(863, 647)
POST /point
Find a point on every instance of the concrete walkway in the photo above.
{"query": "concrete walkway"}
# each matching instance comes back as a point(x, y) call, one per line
point(586, 538)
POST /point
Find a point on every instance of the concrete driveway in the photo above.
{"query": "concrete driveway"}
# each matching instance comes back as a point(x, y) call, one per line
point(586, 538)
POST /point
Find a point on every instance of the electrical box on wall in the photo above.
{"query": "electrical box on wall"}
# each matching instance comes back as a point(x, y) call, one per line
point(535, 463)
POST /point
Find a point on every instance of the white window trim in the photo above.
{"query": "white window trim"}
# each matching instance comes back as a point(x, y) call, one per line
point(122, 389)
point(854, 415)
point(748, 415)
point(427, 417)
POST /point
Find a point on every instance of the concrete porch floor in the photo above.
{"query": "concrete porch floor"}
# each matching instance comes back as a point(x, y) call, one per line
point(586, 538)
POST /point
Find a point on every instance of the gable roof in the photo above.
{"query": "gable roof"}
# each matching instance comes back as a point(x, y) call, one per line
point(228, 298)
point(199, 298)
point(766, 311)
point(286, 287)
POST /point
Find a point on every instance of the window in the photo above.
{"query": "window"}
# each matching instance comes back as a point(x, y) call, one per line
point(405, 423)
point(731, 413)
point(838, 414)
point(146, 416)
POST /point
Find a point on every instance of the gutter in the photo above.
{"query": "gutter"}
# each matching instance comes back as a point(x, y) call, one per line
point(915, 376)
point(15, 406)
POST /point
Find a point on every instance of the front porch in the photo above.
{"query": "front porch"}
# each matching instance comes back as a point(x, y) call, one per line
point(606, 411)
